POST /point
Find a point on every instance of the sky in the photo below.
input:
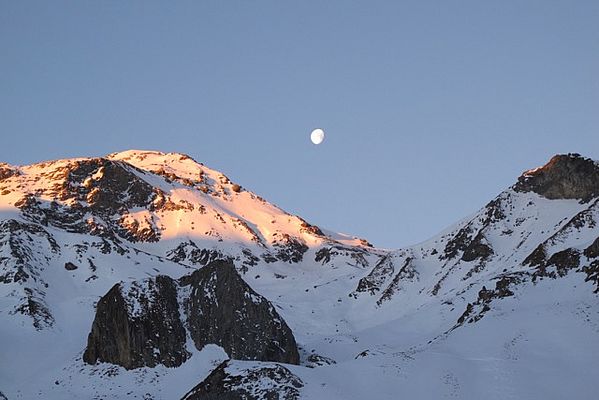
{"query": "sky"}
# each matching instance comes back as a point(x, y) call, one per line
point(431, 108)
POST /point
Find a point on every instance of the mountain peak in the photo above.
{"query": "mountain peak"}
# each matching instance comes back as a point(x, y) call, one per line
point(169, 269)
point(565, 176)
point(132, 154)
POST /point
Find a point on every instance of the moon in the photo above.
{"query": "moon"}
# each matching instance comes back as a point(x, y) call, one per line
point(317, 136)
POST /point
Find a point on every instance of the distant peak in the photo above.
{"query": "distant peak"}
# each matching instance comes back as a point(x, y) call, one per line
point(565, 176)
point(142, 154)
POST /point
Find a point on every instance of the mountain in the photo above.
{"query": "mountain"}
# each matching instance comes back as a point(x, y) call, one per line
point(149, 275)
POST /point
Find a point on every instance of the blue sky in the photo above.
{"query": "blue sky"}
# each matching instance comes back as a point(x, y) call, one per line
point(430, 108)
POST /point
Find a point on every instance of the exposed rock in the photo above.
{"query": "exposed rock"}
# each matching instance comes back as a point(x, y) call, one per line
point(103, 188)
point(565, 176)
point(172, 177)
point(15, 240)
point(323, 254)
point(254, 236)
point(494, 211)
point(564, 260)
point(190, 252)
point(472, 247)
point(373, 282)
point(69, 266)
point(222, 309)
point(326, 254)
point(365, 243)
point(138, 325)
point(592, 272)
point(135, 230)
point(593, 250)
point(7, 172)
point(25, 251)
point(477, 249)
point(459, 242)
point(406, 273)
point(537, 258)
point(249, 259)
point(269, 258)
point(236, 381)
point(313, 229)
point(316, 360)
point(475, 311)
point(290, 249)
point(115, 188)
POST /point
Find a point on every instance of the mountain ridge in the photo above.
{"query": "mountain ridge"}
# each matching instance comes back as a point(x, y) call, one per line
point(70, 230)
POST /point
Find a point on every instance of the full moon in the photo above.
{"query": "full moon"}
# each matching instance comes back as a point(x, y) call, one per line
point(317, 136)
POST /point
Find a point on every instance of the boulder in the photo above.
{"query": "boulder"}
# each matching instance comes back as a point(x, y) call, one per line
point(69, 266)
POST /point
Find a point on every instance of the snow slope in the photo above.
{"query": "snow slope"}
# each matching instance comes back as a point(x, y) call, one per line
point(501, 305)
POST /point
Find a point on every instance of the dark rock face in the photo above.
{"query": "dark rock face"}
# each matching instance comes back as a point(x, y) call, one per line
point(472, 246)
point(103, 188)
point(537, 258)
point(289, 249)
point(592, 269)
point(313, 229)
point(316, 360)
point(25, 249)
point(69, 266)
point(190, 252)
point(271, 382)
point(477, 249)
point(407, 272)
point(138, 326)
point(564, 260)
point(222, 309)
point(592, 272)
point(475, 311)
point(376, 278)
point(563, 177)
point(459, 242)
point(557, 265)
point(6, 171)
point(326, 254)
point(116, 188)
point(593, 250)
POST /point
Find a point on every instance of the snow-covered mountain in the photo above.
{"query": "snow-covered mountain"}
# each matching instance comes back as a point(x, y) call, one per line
point(101, 294)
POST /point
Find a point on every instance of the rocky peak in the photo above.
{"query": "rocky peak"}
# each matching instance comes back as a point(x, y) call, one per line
point(139, 324)
point(565, 176)
point(224, 310)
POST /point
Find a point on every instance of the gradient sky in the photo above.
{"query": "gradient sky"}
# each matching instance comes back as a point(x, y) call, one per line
point(430, 108)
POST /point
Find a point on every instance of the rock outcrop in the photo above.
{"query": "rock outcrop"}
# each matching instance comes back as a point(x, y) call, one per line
point(252, 382)
point(224, 310)
point(565, 176)
point(25, 251)
point(139, 324)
